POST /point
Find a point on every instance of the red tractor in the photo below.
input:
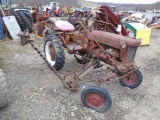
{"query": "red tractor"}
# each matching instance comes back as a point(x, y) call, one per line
point(91, 47)
point(55, 10)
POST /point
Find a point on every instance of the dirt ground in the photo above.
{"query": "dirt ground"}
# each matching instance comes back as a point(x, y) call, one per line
point(37, 94)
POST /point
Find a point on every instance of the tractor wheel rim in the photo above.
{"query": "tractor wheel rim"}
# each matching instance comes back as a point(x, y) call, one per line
point(50, 53)
point(51, 14)
point(62, 14)
point(131, 79)
point(40, 30)
point(77, 54)
point(95, 100)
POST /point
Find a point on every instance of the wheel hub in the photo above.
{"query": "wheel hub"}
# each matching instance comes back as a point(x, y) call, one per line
point(131, 79)
point(40, 30)
point(62, 14)
point(52, 52)
point(95, 100)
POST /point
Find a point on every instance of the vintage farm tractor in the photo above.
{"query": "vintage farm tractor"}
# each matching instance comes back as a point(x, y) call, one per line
point(84, 12)
point(91, 47)
point(52, 10)
point(55, 10)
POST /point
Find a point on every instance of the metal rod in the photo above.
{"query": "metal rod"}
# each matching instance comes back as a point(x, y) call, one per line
point(3, 12)
point(90, 67)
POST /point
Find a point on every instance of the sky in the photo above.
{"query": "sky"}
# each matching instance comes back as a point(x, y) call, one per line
point(127, 1)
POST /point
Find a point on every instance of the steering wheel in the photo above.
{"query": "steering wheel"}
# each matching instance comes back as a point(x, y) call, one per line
point(75, 16)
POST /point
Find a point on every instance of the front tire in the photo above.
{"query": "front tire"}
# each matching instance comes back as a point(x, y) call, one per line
point(96, 98)
point(54, 52)
point(132, 80)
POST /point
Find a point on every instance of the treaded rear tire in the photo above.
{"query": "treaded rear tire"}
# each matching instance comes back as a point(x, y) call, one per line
point(29, 17)
point(19, 20)
point(54, 41)
point(3, 90)
point(25, 21)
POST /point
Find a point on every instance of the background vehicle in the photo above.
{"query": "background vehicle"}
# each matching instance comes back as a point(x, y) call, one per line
point(113, 9)
point(85, 11)
point(23, 16)
point(78, 14)
point(55, 10)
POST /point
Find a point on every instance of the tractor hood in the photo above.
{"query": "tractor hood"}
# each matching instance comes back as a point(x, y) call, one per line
point(113, 40)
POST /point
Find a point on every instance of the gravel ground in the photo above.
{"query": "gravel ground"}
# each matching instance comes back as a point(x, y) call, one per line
point(37, 94)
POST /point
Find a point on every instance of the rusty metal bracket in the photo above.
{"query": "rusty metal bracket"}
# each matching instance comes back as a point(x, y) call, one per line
point(113, 75)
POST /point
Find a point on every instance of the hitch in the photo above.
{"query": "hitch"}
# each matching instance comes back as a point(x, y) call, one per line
point(24, 37)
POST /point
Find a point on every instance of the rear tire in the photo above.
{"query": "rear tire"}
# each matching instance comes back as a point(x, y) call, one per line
point(29, 17)
point(54, 52)
point(3, 90)
point(19, 20)
point(25, 21)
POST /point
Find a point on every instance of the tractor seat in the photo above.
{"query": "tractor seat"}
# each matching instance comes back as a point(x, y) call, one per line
point(64, 25)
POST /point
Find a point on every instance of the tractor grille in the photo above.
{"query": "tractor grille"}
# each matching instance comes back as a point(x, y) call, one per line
point(131, 54)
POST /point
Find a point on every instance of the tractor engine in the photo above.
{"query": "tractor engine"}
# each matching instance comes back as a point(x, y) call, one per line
point(113, 49)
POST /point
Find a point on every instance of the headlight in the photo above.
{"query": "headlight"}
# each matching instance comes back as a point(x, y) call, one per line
point(123, 45)
point(140, 39)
